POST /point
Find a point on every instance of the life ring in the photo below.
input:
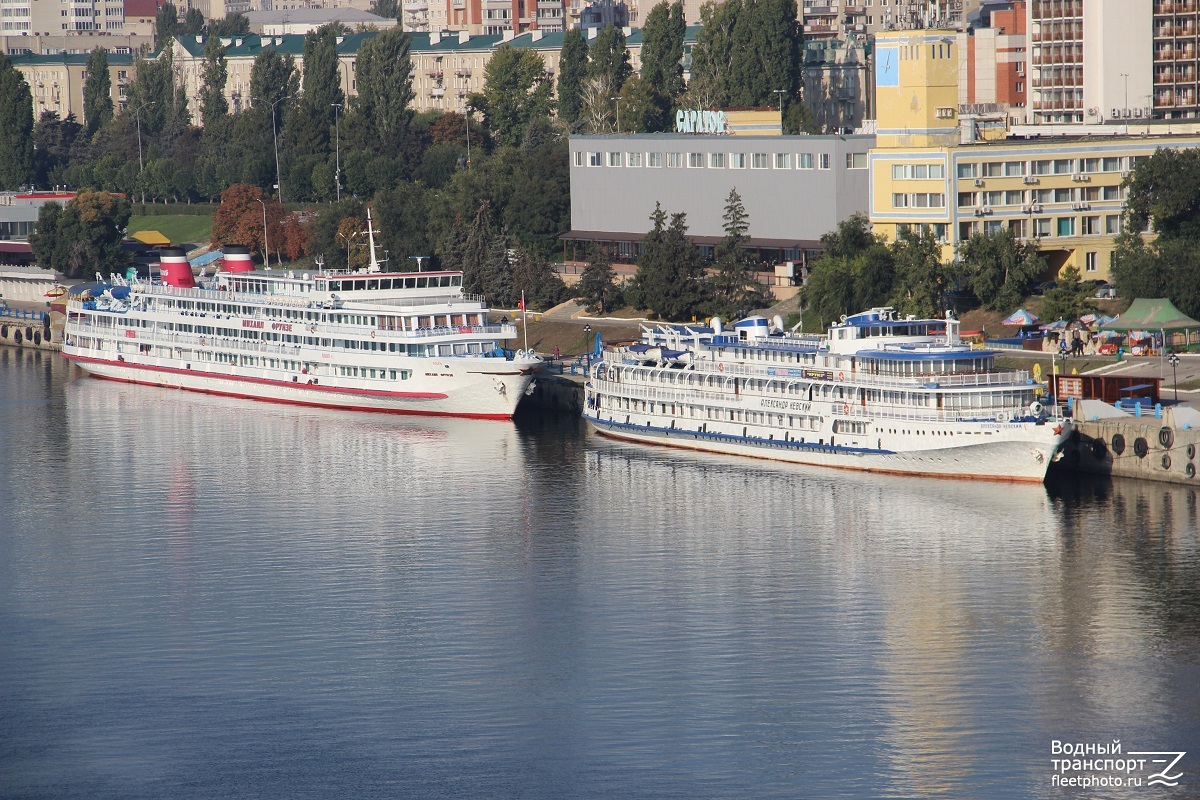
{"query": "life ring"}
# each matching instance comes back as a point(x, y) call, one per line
point(1166, 436)
point(1118, 443)
point(1190, 470)
point(1191, 451)
point(1099, 451)
point(202, 341)
point(841, 376)
point(372, 334)
point(1140, 448)
point(720, 367)
point(312, 328)
point(845, 409)
point(1166, 461)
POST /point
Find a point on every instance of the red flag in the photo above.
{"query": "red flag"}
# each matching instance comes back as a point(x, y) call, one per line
point(522, 305)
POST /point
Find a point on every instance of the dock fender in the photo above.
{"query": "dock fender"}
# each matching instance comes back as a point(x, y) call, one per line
point(1118, 443)
point(1140, 448)
point(1166, 436)
point(1099, 450)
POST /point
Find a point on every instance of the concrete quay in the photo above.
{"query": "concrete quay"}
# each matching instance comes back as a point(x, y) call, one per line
point(1160, 444)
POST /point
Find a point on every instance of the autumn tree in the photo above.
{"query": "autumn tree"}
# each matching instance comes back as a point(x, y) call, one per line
point(239, 219)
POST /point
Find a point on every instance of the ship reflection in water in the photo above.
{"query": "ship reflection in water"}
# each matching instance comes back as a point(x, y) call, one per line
point(209, 597)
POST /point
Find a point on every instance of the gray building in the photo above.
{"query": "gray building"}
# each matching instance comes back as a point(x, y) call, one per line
point(794, 188)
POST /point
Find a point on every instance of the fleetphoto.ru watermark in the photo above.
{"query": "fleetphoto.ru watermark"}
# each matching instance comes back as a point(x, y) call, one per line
point(1104, 764)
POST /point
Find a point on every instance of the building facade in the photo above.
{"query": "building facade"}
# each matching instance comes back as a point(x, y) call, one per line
point(794, 188)
point(937, 167)
point(56, 82)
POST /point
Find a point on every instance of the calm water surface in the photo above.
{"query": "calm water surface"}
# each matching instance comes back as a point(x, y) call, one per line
point(212, 598)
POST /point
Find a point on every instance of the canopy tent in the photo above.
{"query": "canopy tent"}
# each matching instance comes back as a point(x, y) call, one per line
point(1020, 317)
point(1154, 315)
point(152, 238)
point(1057, 325)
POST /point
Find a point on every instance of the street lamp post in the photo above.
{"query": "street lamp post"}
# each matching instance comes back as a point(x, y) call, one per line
point(266, 241)
point(587, 335)
point(467, 117)
point(1125, 75)
point(138, 116)
point(275, 137)
point(617, 101)
point(781, 93)
point(1174, 362)
point(337, 157)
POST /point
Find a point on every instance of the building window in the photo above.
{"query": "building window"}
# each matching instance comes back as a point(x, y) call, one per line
point(1090, 165)
point(1112, 224)
point(737, 160)
point(993, 169)
point(1014, 169)
point(783, 161)
point(674, 160)
point(823, 161)
point(633, 159)
point(1066, 226)
point(614, 159)
point(966, 170)
point(899, 200)
point(717, 160)
point(760, 161)
point(1064, 195)
point(993, 227)
point(1112, 164)
point(1041, 227)
point(594, 159)
point(1040, 168)
point(804, 161)
point(1090, 262)
point(1064, 166)
point(654, 160)
point(1090, 226)
point(696, 160)
point(1014, 197)
point(579, 158)
point(856, 160)
point(1112, 192)
point(993, 198)
point(966, 199)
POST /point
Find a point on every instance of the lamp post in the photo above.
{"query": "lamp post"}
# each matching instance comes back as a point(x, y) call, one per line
point(1125, 75)
point(275, 137)
point(617, 101)
point(1174, 362)
point(348, 240)
point(781, 93)
point(587, 335)
point(467, 118)
point(337, 159)
point(266, 241)
point(138, 116)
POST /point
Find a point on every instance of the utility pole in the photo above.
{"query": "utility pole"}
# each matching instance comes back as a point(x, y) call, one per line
point(337, 152)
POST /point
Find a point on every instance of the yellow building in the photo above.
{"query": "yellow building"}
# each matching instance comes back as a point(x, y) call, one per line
point(958, 170)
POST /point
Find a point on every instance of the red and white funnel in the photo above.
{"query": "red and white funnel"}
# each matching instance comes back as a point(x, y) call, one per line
point(174, 269)
point(237, 259)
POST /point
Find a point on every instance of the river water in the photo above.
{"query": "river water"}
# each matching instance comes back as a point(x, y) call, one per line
point(202, 597)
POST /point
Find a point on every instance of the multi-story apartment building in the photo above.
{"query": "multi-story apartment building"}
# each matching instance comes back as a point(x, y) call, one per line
point(484, 17)
point(936, 167)
point(56, 81)
point(995, 59)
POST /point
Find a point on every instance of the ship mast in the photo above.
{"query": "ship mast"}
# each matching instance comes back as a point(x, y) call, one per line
point(371, 239)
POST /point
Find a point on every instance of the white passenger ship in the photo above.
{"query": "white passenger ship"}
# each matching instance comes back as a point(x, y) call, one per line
point(411, 343)
point(878, 394)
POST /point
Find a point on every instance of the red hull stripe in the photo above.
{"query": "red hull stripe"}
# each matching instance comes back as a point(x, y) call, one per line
point(313, 403)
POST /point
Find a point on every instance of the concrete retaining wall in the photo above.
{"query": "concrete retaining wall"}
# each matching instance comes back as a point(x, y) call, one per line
point(1135, 447)
point(32, 332)
point(556, 393)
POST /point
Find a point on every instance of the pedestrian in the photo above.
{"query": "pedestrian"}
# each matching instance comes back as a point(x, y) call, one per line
point(556, 353)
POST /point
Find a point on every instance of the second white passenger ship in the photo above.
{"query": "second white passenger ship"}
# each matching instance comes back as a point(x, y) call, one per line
point(411, 343)
point(878, 393)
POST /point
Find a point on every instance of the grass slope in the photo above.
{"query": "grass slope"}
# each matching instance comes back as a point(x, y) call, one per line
point(178, 228)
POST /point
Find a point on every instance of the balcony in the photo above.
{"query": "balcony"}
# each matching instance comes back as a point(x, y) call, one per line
point(818, 30)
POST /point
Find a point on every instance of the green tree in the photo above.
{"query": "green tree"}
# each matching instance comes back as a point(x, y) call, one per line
point(322, 91)
point(733, 287)
point(745, 51)
point(572, 69)
point(16, 127)
point(97, 92)
point(534, 279)
point(54, 140)
point(856, 271)
point(213, 74)
point(669, 276)
point(165, 24)
point(516, 92)
point(402, 215)
point(1001, 268)
point(485, 263)
point(608, 55)
point(922, 278)
point(380, 113)
point(232, 25)
point(388, 9)
point(597, 285)
point(1069, 299)
point(193, 22)
point(662, 49)
point(84, 237)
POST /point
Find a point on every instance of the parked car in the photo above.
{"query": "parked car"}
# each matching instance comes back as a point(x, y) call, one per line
point(1042, 287)
point(1105, 291)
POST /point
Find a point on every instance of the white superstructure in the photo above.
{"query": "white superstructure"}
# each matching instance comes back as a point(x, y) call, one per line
point(877, 393)
point(411, 343)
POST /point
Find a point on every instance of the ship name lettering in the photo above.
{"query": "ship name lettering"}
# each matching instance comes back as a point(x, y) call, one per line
point(280, 326)
point(252, 323)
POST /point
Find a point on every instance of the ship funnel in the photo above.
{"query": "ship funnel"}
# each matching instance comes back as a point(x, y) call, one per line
point(174, 269)
point(237, 259)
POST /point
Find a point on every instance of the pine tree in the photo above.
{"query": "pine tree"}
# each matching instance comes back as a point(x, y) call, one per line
point(596, 285)
point(572, 69)
point(733, 286)
point(669, 275)
point(97, 92)
point(486, 268)
point(16, 127)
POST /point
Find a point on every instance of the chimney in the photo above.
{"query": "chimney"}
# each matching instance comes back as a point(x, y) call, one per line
point(509, 35)
point(174, 269)
point(592, 32)
point(435, 37)
point(464, 37)
point(535, 36)
point(237, 259)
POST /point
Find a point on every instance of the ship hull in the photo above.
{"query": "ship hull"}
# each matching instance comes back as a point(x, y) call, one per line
point(1020, 452)
point(481, 395)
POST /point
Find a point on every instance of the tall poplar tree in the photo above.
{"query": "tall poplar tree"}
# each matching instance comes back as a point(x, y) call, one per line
point(662, 49)
point(745, 51)
point(322, 89)
point(381, 113)
point(609, 55)
point(16, 127)
point(213, 74)
point(97, 92)
point(572, 69)
point(516, 91)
